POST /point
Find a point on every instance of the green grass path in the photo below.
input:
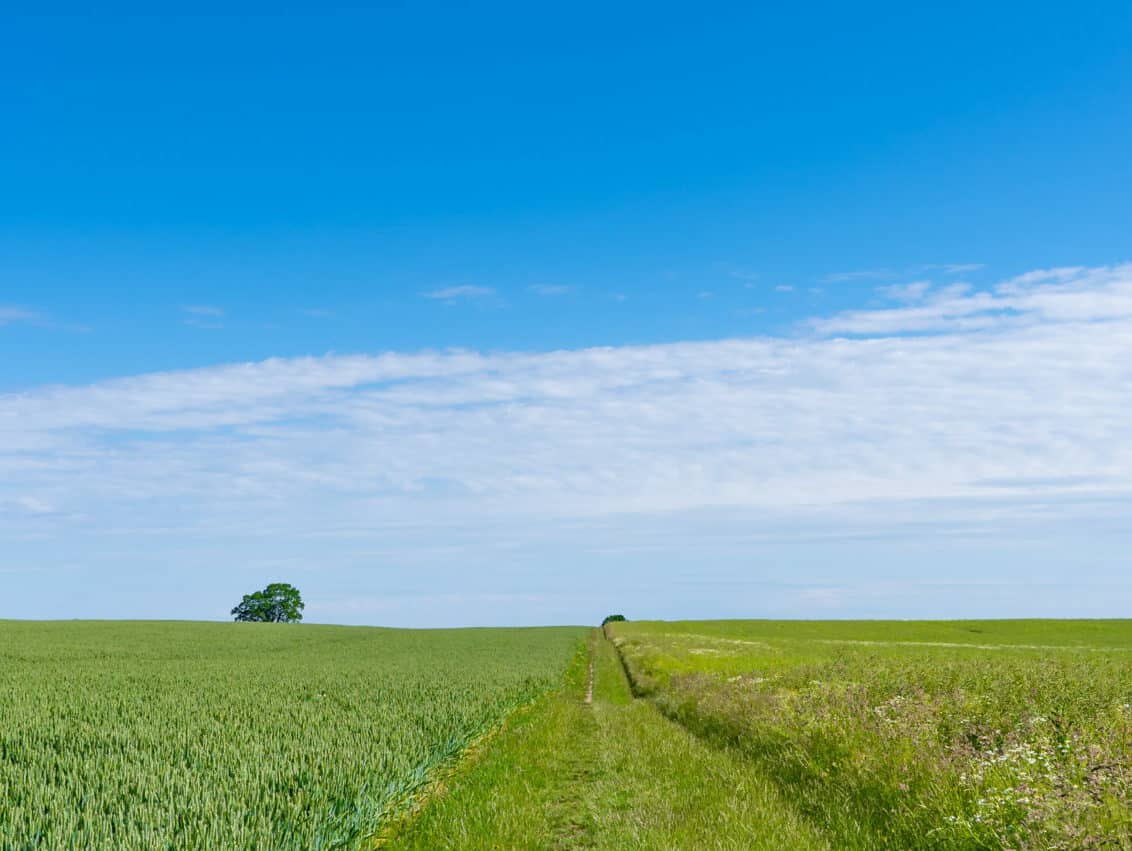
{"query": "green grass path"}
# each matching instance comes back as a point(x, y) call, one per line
point(614, 774)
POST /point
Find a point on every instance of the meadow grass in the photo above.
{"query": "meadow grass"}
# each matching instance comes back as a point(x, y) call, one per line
point(993, 734)
point(614, 774)
point(188, 735)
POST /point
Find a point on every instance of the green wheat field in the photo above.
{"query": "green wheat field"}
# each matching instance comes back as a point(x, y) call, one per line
point(726, 734)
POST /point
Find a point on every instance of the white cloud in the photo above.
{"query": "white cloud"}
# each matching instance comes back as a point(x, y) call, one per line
point(1046, 296)
point(784, 288)
point(549, 289)
point(738, 273)
point(1030, 380)
point(952, 268)
point(203, 316)
point(460, 292)
point(914, 291)
point(31, 505)
point(859, 275)
point(10, 315)
point(1014, 409)
point(880, 274)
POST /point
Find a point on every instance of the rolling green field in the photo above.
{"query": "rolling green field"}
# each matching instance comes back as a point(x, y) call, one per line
point(646, 735)
point(1013, 734)
point(216, 736)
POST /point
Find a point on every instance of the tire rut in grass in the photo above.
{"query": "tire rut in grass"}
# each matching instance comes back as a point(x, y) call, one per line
point(572, 824)
point(572, 821)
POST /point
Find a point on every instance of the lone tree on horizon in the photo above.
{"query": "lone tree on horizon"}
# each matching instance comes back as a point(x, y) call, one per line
point(277, 603)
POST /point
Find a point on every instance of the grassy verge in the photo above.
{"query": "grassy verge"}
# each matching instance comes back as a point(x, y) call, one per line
point(611, 775)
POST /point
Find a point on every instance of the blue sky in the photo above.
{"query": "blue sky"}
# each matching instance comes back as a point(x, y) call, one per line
point(504, 314)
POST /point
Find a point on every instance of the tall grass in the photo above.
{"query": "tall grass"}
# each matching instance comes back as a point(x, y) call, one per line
point(163, 735)
point(930, 743)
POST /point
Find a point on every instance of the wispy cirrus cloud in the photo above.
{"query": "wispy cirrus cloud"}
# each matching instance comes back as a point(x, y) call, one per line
point(464, 291)
point(31, 505)
point(887, 273)
point(9, 315)
point(1013, 410)
point(1047, 296)
point(624, 428)
point(858, 275)
point(203, 316)
point(203, 310)
point(738, 272)
point(952, 268)
point(913, 291)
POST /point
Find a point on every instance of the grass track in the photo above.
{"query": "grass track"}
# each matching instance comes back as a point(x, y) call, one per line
point(614, 774)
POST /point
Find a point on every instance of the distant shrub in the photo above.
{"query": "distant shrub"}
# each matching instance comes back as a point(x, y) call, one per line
point(612, 619)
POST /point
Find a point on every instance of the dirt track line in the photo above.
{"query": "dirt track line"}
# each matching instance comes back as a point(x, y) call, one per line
point(590, 681)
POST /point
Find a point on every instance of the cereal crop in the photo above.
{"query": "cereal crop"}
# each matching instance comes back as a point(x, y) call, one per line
point(189, 735)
